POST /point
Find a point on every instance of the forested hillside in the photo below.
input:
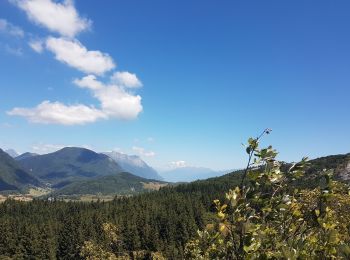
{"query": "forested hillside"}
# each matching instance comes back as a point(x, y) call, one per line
point(158, 221)
point(13, 178)
point(68, 165)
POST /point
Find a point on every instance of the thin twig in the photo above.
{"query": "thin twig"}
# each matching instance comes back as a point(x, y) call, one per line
point(266, 131)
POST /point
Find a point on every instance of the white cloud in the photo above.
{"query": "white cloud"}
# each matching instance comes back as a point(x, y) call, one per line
point(115, 101)
point(57, 113)
point(37, 45)
point(141, 151)
point(74, 54)
point(89, 82)
point(10, 29)
point(42, 148)
point(150, 139)
point(178, 164)
point(115, 98)
point(62, 18)
point(126, 79)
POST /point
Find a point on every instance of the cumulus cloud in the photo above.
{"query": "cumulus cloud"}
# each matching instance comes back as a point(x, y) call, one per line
point(115, 101)
point(61, 18)
point(37, 45)
point(89, 82)
point(115, 98)
point(8, 28)
point(141, 151)
point(178, 164)
point(57, 113)
point(126, 79)
point(74, 54)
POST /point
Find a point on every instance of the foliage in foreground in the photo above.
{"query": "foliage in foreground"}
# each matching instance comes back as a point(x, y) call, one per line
point(266, 218)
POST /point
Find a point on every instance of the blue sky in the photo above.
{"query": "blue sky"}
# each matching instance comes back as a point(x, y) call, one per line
point(176, 80)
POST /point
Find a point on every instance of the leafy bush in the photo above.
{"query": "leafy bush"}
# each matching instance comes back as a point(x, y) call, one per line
point(265, 217)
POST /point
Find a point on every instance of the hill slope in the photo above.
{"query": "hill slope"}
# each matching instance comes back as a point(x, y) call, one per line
point(122, 183)
point(135, 165)
point(13, 177)
point(25, 156)
point(69, 164)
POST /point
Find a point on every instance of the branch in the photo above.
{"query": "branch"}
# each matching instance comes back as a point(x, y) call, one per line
point(251, 153)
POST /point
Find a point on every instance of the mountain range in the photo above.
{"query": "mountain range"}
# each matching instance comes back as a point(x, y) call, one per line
point(68, 165)
point(74, 170)
point(188, 174)
point(134, 164)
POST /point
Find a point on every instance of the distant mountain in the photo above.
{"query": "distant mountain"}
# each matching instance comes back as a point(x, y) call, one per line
point(25, 156)
point(135, 165)
point(188, 174)
point(12, 177)
point(11, 152)
point(68, 165)
point(121, 184)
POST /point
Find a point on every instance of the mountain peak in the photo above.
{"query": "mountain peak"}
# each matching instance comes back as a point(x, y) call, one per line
point(25, 155)
point(134, 164)
point(12, 153)
point(70, 164)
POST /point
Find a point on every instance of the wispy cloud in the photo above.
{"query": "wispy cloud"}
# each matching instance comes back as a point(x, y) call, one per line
point(9, 28)
point(16, 51)
point(142, 152)
point(178, 164)
point(36, 45)
point(44, 148)
point(6, 125)
point(61, 18)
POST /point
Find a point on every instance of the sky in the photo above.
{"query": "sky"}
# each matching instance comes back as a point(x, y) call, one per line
point(179, 83)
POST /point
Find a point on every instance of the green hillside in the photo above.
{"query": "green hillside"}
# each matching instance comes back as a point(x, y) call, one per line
point(69, 164)
point(117, 184)
point(12, 177)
